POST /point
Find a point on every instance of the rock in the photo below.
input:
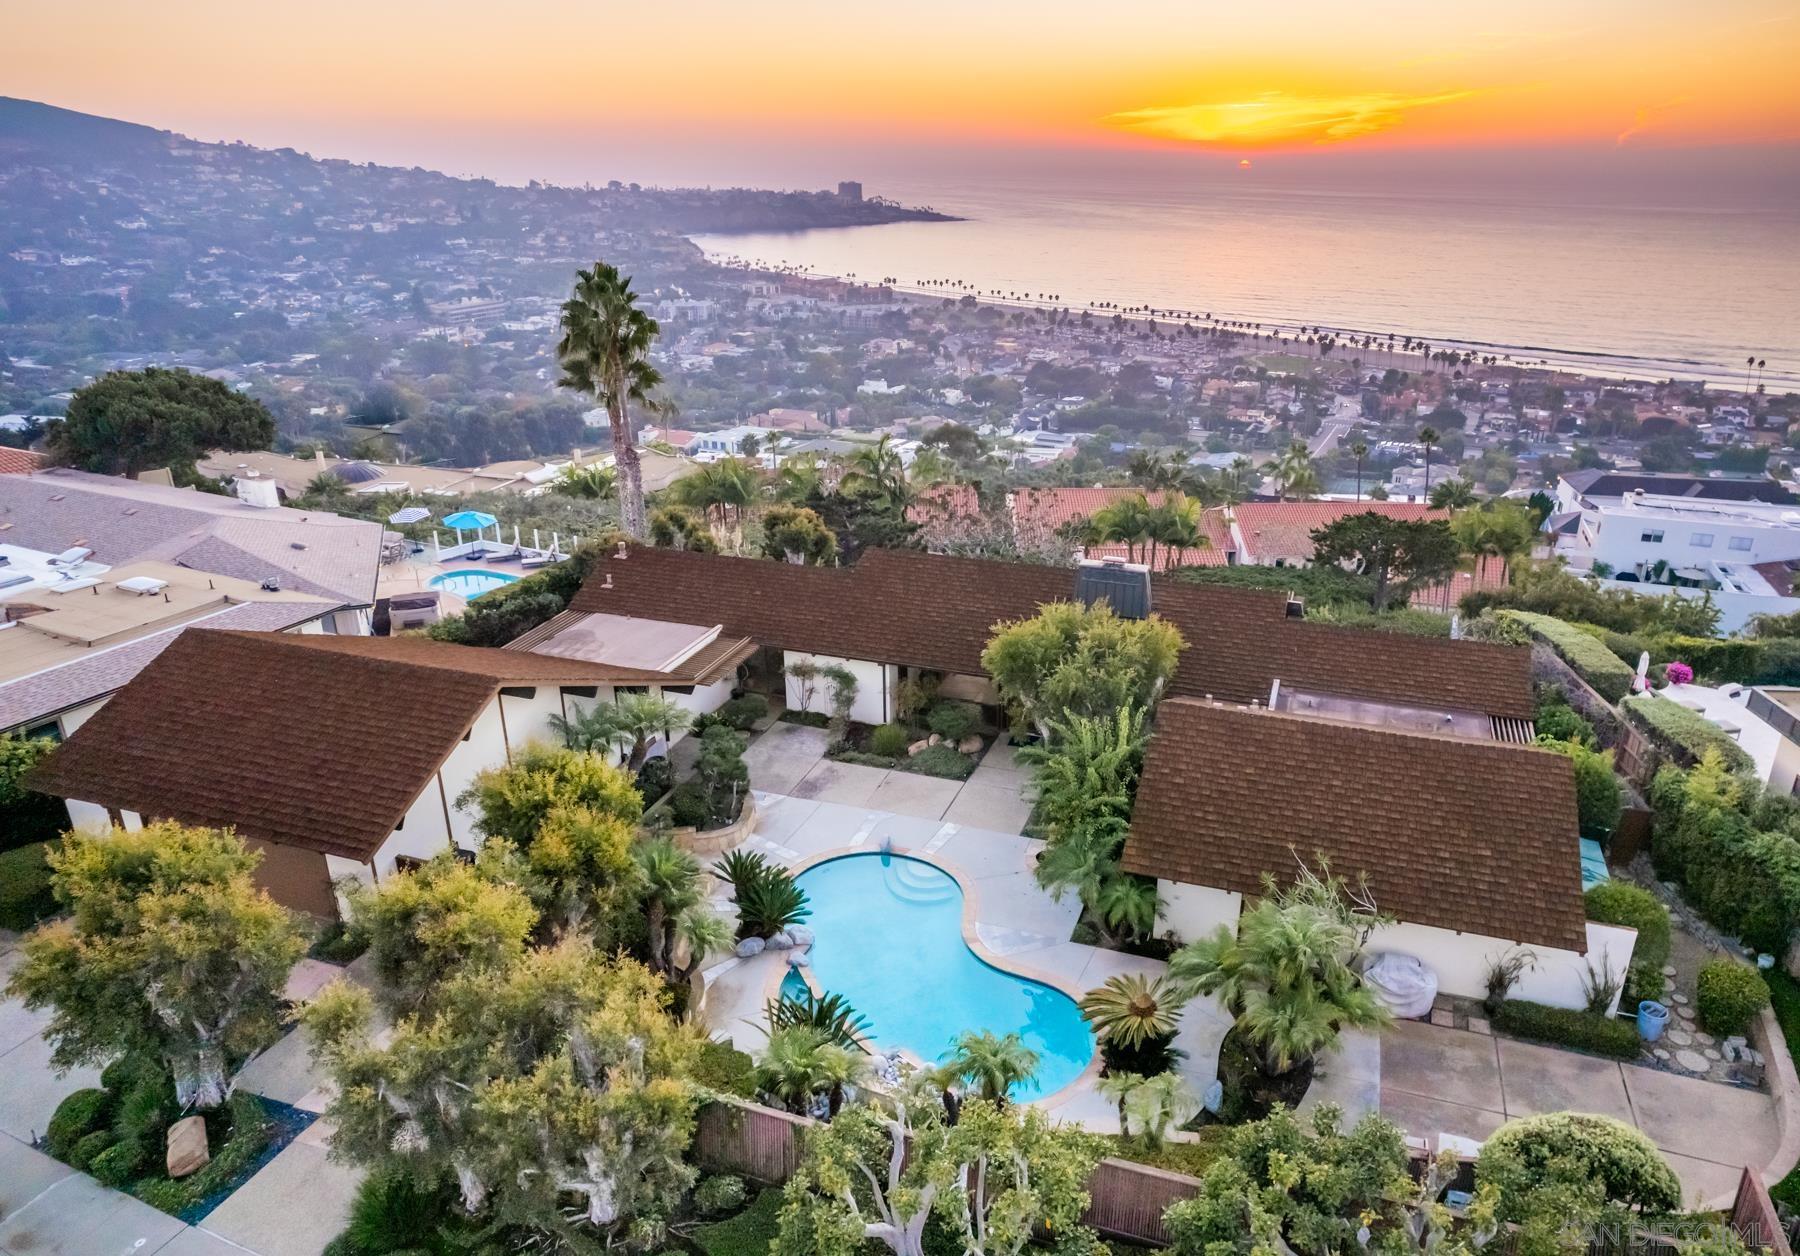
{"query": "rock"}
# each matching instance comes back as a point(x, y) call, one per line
point(801, 935)
point(933, 740)
point(1692, 1061)
point(1737, 1042)
point(1705, 1040)
point(1711, 1053)
point(780, 941)
point(749, 947)
point(1668, 970)
point(1680, 1037)
point(1659, 1053)
point(917, 748)
point(1681, 999)
point(970, 744)
point(187, 1147)
point(799, 959)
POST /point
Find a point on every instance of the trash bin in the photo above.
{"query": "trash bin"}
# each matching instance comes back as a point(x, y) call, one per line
point(1652, 1018)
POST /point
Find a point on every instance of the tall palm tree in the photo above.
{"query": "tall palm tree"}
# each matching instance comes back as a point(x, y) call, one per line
point(671, 880)
point(1428, 437)
point(877, 471)
point(995, 1064)
point(1359, 451)
point(605, 354)
point(1125, 521)
point(1174, 524)
point(1295, 475)
point(631, 721)
point(1452, 495)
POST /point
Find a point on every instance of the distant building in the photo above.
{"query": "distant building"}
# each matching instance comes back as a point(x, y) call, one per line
point(850, 190)
point(469, 312)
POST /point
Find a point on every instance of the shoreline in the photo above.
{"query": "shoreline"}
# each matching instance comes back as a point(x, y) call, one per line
point(1588, 363)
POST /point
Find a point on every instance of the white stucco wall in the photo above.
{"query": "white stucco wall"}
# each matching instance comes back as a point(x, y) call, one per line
point(874, 687)
point(1193, 912)
point(1461, 960)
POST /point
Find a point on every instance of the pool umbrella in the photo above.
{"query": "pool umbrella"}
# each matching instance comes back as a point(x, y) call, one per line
point(410, 514)
point(472, 520)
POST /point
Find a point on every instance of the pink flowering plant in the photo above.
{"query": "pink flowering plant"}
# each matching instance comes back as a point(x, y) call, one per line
point(1679, 673)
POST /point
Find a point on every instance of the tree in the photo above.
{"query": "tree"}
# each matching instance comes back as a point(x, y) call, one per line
point(592, 483)
point(1501, 530)
point(605, 354)
point(1289, 976)
point(801, 1062)
point(1359, 451)
point(556, 1077)
point(1576, 1164)
point(882, 1175)
point(513, 801)
point(797, 535)
point(1085, 772)
point(1598, 799)
point(26, 816)
point(1428, 437)
point(1452, 495)
point(169, 951)
point(1072, 661)
point(721, 491)
point(1401, 556)
point(671, 881)
point(578, 870)
point(678, 528)
point(131, 421)
point(1132, 1010)
point(994, 1063)
point(630, 720)
point(1294, 472)
point(876, 473)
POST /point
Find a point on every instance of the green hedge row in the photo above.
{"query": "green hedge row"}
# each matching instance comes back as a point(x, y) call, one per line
point(1744, 881)
point(1686, 735)
point(1745, 660)
point(1565, 1027)
point(1592, 661)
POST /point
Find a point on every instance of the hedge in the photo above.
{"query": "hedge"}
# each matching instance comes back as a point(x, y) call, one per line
point(1728, 996)
point(26, 896)
point(1686, 735)
point(1592, 661)
point(1622, 903)
point(1598, 799)
point(1566, 1027)
point(1745, 882)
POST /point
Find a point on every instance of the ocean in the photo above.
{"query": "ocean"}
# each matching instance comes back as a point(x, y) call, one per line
point(1626, 281)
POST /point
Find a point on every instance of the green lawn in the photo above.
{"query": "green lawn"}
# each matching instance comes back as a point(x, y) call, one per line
point(747, 1234)
point(25, 896)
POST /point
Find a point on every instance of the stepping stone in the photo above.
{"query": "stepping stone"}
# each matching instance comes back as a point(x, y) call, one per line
point(1680, 998)
point(1443, 1017)
point(1705, 1040)
point(1680, 1037)
point(1668, 970)
point(1479, 1025)
point(1660, 1054)
point(1692, 1061)
point(1712, 1054)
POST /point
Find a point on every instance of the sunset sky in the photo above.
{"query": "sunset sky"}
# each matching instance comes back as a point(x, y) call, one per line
point(538, 87)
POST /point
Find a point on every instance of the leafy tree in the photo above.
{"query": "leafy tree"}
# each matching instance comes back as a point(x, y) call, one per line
point(797, 535)
point(721, 771)
point(578, 870)
point(514, 801)
point(1400, 555)
point(131, 421)
point(605, 354)
point(885, 1176)
point(1562, 1167)
point(1071, 661)
point(1289, 976)
point(994, 1063)
point(558, 1076)
point(1598, 798)
point(26, 816)
point(678, 528)
point(170, 951)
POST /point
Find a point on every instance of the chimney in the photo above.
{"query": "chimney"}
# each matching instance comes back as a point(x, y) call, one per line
point(1123, 586)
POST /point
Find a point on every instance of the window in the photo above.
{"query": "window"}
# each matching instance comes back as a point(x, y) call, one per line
point(1701, 540)
point(49, 731)
point(1653, 537)
point(1741, 543)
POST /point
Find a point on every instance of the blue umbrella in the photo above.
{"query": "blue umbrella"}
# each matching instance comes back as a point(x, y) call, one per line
point(473, 520)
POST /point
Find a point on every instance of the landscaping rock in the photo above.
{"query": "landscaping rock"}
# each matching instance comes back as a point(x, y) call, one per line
point(917, 748)
point(1680, 998)
point(749, 947)
point(1680, 1037)
point(799, 959)
point(801, 935)
point(780, 941)
point(187, 1147)
point(970, 744)
point(933, 740)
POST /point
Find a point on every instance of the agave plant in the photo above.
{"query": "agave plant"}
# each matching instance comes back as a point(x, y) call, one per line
point(831, 1014)
point(770, 904)
point(1132, 1009)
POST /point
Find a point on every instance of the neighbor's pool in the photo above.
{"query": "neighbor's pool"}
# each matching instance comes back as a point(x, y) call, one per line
point(889, 939)
point(472, 583)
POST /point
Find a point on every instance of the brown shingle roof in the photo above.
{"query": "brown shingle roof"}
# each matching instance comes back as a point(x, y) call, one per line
point(1474, 836)
point(315, 741)
point(936, 611)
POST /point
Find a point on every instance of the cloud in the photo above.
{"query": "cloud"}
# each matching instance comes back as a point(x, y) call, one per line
point(1279, 118)
point(1646, 118)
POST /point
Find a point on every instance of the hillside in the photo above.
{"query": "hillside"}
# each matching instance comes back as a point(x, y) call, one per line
point(30, 126)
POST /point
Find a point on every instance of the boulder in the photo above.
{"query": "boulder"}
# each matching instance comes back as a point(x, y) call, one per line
point(780, 941)
point(933, 740)
point(917, 748)
point(801, 935)
point(749, 947)
point(970, 744)
point(799, 959)
point(187, 1147)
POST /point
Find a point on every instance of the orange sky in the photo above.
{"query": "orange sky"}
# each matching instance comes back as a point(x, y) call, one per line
point(357, 78)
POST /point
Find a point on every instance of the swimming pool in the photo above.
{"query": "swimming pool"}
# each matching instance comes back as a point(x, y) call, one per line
point(471, 583)
point(889, 939)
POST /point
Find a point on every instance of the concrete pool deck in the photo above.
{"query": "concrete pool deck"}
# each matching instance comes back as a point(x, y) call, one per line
point(1008, 921)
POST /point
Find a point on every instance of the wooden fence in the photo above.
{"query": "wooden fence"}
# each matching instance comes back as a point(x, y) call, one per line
point(752, 1141)
point(1126, 1200)
point(1754, 1219)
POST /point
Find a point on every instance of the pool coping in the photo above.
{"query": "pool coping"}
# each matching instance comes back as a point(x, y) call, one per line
point(971, 899)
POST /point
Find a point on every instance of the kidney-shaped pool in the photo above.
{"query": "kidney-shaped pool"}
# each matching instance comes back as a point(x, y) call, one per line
point(889, 938)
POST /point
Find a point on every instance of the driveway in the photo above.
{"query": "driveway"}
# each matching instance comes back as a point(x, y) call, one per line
point(1437, 1080)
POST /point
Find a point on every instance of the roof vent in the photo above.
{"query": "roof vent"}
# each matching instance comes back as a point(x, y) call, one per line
point(263, 494)
point(74, 556)
point(272, 585)
point(1124, 586)
point(141, 585)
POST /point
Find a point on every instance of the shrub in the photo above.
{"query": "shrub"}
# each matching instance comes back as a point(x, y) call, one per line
point(1728, 995)
point(952, 721)
point(1490, 627)
point(76, 1117)
point(1598, 800)
point(1574, 1149)
point(1566, 1027)
point(1686, 735)
point(722, 1067)
point(91, 1145)
point(26, 816)
point(147, 1107)
point(748, 1234)
point(1558, 721)
point(1719, 661)
point(655, 778)
point(1621, 903)
point(25, 893)
point(689, 805)
point(743, 713)
point(1628, 646)
point(890, 740)
point(164, 1194)
point(1610, 676)
point(942, 760)
point(769, 904)
point(720, 1193)
point(391, 1214)
point(119, 1163)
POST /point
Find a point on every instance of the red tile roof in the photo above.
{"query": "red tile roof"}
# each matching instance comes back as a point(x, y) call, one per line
point(1475, 836)
point(19, 461)
point(1041, 511)
point(1282, 531)
point(315, 741)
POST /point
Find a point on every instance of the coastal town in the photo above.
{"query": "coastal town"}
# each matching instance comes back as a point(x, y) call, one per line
point(516, 735)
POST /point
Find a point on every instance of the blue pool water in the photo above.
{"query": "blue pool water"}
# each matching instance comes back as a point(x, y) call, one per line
point(889, 939)
point(472, 583)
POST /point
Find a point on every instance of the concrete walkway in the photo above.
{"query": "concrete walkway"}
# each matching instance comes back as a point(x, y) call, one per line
point(1436, 1080)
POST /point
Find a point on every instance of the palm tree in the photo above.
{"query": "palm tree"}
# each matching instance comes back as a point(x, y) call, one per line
point(877, 471)
point(1452, 495)
point(798, 478)
point(595, 483)
point(995, 1064)
point(671, 880)
point(1126, 520)
point(1118, 1085)
point(1295, 475)
point(1131, 1010)
point(605, 354)
point(1174, 523)
point(1127, 906)
point(1359, 451)
point(1428, 437)
point(630, 720)
point(722, 491)
point(702, 932)
point(1156, 1103)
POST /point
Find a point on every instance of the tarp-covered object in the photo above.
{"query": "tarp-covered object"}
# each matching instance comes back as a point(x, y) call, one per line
point(1402, 983)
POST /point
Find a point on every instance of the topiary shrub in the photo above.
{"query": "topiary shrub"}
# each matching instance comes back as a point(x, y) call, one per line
point(689, 805)
point(743, 713)
point(76, 1117)
point(890, 740)
point(718, 1194)
point(953, 721)
point(119, 1164)
point(1728, 995)
point(1622, 903)
point(91, 1145)
point(1572, 1150)
point(148, 1108)
point(1684, 734)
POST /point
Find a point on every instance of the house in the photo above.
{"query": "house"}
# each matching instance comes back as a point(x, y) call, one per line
point(1040, 514)
point(334, 756)
point(1279, 534)
point(1470, 845)
point(1763, 719)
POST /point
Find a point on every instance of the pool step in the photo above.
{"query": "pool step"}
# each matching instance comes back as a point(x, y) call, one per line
point(913, 882)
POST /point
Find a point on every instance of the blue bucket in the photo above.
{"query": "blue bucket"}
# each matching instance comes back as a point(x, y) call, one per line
point(1652, 1019)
